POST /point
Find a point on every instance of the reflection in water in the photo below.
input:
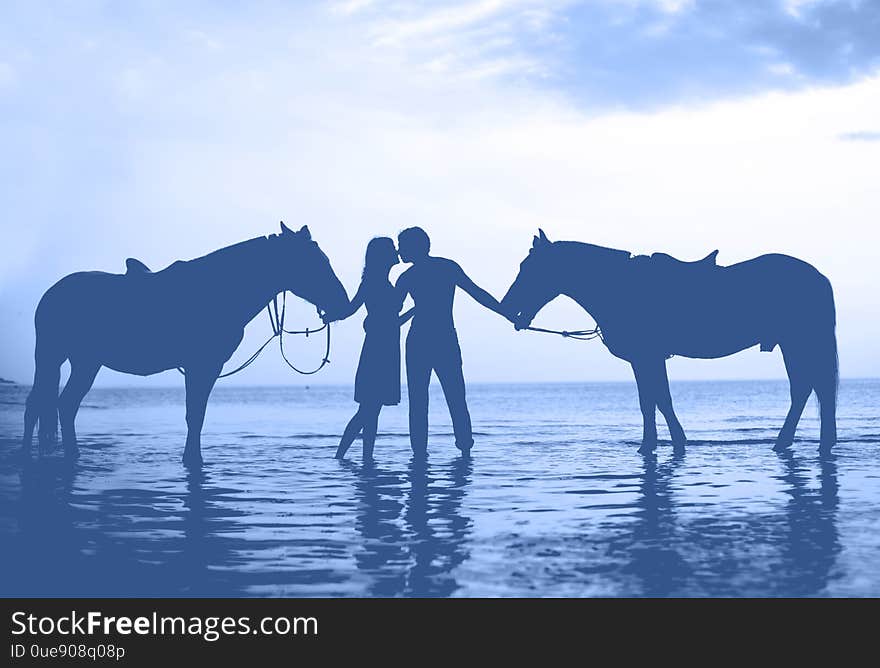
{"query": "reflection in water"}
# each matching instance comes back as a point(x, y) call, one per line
point(438, 530)
point(812, 541)
point(654, 557)
point(791, 553)
point(382, 554)
point(47, 543)
point(66, 533)
point(114, 542)
point(418, 556)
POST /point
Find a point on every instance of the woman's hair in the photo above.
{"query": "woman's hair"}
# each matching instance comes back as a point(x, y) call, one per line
point(376, 260)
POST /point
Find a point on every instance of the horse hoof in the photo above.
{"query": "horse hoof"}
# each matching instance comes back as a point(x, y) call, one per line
point(679, 447)
point(782, 446)
point(647, 448)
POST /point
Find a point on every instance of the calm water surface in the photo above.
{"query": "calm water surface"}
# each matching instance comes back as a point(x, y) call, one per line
point(554, 502)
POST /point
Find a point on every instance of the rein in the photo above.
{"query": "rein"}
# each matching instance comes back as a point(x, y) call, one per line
point(276, 320)
point(578, 334)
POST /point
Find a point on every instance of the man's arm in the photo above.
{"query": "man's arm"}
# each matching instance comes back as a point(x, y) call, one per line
point(481, 296)
point(402, 288)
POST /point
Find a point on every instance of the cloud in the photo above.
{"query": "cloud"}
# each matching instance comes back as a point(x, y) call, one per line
point(860, 135)
point(637, 53)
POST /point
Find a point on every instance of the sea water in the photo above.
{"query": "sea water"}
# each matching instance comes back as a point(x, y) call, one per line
point(554, 501)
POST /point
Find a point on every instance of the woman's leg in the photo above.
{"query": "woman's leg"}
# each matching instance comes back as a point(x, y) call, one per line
point(352, 429)
point(371, 425)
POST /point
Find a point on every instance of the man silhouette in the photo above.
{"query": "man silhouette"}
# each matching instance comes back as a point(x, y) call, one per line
point(432, 342)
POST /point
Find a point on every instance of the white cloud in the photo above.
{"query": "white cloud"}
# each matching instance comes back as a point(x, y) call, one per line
point(443, 21)
point(796, 7)
point(781, 69)
point(349, 7)
point(476, 38)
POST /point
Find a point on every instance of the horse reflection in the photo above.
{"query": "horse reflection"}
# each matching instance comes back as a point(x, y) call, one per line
point(41, 543)
point(206, 560)
point(65, 540)
point(718, 556)
point(654, 559)
point(812, 541)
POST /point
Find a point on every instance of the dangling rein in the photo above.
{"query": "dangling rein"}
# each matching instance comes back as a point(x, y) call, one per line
point(276, 320)
point(578, 334)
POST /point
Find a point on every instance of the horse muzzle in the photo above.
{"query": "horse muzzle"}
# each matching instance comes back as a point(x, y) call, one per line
point(522, 320)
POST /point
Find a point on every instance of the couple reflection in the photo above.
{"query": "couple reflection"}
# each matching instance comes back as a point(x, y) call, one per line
point(669, 556)
point(413, 539)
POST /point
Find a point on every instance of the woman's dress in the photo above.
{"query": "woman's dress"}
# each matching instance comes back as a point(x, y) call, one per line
point(378, 374)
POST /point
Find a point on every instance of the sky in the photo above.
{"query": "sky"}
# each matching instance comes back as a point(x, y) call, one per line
point(164, 130)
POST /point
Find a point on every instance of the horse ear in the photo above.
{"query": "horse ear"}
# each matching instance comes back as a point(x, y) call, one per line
point(304, 231)
point(285, 229)
point(540, 240)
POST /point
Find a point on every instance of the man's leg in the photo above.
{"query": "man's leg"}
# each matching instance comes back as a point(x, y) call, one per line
point(418, 377)
point(452, 381)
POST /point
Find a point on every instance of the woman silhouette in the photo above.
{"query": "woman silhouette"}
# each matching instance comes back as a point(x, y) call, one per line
point(377, 382)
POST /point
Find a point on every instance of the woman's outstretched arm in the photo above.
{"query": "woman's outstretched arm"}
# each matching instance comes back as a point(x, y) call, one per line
point(356, 302)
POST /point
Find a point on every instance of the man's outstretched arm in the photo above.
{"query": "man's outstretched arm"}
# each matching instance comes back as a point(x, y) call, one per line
point(481, 296)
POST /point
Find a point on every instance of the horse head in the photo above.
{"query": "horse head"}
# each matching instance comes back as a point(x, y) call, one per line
point(307, 272)
point(535, 285)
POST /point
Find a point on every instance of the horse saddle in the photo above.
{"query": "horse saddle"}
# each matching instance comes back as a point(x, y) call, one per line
point(135, 266)
point(708, 262)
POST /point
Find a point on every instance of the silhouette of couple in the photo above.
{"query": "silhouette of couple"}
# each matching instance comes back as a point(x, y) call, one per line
point(431, 345)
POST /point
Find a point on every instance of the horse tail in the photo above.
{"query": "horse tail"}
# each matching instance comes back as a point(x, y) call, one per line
point(827, 366)
point(42, 402)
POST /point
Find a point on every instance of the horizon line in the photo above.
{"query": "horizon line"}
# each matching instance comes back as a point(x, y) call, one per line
point(9, 383)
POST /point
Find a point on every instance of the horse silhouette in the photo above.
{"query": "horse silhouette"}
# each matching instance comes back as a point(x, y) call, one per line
point(651, 308)
point(190, 315)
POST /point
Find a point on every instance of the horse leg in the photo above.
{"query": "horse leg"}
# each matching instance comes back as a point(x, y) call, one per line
point(31, 415)
point(664, 403)
point(30, 422)
point(199, 383)
point(825, 383)
point(82, 375)
point(648, 405)
point(42, 402)
point(827, 414)
point(796, 366)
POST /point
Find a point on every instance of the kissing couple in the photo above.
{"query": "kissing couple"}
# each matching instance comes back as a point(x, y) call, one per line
point(431, 345)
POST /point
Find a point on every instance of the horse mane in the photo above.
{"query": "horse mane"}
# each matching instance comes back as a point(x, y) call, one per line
point(219, 257)
point(596, 252)
point(255, 244)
